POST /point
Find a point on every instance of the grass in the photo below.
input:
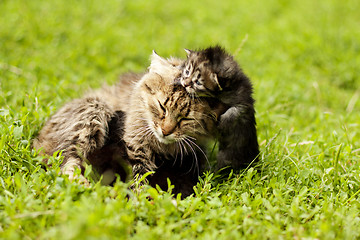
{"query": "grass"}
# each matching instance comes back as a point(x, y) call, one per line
point(303, 57)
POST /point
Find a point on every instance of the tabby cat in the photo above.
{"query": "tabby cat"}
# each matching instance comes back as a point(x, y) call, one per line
point(163, 122)
point(213, 73)
point(145, 121)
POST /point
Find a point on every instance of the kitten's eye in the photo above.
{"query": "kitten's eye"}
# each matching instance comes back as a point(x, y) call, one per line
point(187, 73)
point(197, 82)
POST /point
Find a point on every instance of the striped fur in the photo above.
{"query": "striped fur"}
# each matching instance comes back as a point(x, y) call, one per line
point(160, 123)
point(78, 128)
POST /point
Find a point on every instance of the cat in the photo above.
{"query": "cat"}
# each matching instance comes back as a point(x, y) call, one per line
point(162, 121)
point(213, 73)
point(145, 122)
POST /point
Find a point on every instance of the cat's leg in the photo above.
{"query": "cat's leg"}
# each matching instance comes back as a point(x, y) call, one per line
point(77, 129)
point(88, 134)
point(69, 168)
point(238, 145)
point(142, 161)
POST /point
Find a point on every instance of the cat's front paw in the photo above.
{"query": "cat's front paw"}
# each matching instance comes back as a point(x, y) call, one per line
point(70, 169)
point(78, 178)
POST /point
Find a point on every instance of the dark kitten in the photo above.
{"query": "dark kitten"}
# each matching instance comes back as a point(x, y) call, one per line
point(212, 72)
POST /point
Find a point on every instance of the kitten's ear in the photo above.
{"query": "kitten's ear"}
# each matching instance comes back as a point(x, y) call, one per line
point(214, 78)
point(188, 52)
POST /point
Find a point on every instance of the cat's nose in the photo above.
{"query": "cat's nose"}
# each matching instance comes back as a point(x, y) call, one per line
point(167, 129)
point(186, 82)
point(165, 132)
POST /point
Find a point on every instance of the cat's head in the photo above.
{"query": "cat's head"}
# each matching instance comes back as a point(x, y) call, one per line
point(198, 74)
point(170, 113)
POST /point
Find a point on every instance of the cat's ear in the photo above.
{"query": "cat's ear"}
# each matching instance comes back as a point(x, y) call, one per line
point(188, 52)
point(157, 62)
point(214, 78)
point(155, 57)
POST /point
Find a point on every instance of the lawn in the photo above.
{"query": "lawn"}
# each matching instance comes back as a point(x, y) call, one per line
point(303, 57)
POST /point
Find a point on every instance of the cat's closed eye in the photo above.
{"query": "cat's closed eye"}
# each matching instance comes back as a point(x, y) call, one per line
point(184, 121)
point(163, 111)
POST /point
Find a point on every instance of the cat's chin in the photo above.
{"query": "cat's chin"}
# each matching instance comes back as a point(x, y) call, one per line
point(190, 90)
point(164, 140)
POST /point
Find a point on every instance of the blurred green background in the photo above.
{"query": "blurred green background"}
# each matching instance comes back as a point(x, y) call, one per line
point(302, 56)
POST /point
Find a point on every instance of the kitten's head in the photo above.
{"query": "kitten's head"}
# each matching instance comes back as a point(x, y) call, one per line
point(199, 75)
point(170, 113)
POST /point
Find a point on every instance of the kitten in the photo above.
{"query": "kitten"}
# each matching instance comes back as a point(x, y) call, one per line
point(144, 121)
point(213, 73)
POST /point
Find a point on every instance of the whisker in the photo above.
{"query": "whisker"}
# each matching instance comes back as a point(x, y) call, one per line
point(190, 137)
point(192, 142)
point(139, 131)
point(176, 152)
point(194, 154)
point(144, 131)
point(182, 151)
